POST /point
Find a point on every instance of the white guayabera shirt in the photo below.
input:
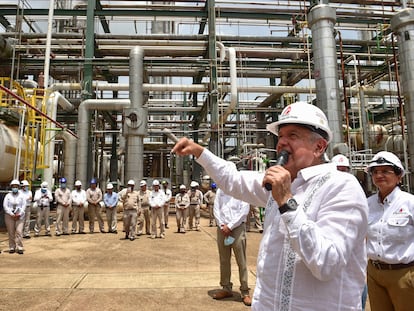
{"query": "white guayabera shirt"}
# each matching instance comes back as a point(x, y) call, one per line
point(313, 258)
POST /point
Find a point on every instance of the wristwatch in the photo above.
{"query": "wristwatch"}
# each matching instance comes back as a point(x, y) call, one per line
point(290, 205)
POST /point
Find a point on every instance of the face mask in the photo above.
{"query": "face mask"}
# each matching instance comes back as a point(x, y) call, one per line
point(129, 189)
point(63, 186)
point(43, 190)
point(15, 190)
point(26, 188)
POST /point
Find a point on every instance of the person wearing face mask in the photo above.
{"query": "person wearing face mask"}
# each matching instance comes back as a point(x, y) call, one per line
point(78, 208)
point(64, 205)
point(143, 196)
point(14, 206)
point(129, 199)
point(42, 199)
point(312, 254)
point(390, 239)
point(156, 202)
point(94, 200)
point(25, 189)
point(182, 202)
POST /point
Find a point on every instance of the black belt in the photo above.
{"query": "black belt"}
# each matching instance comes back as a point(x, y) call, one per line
point(388, 266)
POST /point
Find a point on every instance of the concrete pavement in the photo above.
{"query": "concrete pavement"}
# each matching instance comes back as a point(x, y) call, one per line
point(106, 272)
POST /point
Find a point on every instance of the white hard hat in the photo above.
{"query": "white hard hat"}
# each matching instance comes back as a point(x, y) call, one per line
point(183, 187)
point(78, 183)
point(142, 183)
point(14, 182)
point(44, 184)
point(194, 184)
point(304, 114)
point(131, 182)
point(155, 182)
point(109, 186)
point(340, 160)
point(25, 183)
point(206, 177)
point(386, 158)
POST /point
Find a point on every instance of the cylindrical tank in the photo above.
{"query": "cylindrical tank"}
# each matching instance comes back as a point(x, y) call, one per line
point(9, 137)
point(395, 145)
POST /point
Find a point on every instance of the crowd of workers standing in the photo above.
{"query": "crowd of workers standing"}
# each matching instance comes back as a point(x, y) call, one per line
point(144, 211)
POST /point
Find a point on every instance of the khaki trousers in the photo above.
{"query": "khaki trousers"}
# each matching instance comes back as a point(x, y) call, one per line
point(239, 250)
point(15, 231)
point(390, 289)
point(194, 212)
point(111, 219)
point(130, 222)
point(181, 215)
point(78, 215)
point(145, 216)
point(94, 210)
point(157, 213)
point(62, 219)
point(42, 214)
point(26, 227)
point(166, 208)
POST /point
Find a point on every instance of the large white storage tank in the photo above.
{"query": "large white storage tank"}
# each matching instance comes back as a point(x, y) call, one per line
point(9, 138)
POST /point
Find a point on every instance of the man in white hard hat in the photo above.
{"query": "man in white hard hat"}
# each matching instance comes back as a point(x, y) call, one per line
point(182, 202)
point(25, 189)
point(42, 199)
point(144, 206)
point(14, 205)
point(312, 255)
point(167, 196)
point(63, 198)
point(196, 198)
point(111, 202)
point(341, 162)
point(94, 198)
point(78, 208)
point(156, 201)
point(129, 199)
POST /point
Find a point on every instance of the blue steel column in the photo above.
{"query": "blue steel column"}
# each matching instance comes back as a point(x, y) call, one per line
point(322, 19)
point(403, 26)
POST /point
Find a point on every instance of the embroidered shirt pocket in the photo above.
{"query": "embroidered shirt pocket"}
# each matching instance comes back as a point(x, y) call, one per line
point(398, 221)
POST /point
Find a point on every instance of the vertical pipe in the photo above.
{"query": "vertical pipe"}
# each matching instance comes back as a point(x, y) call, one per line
point(50, 111)
point(402, 24)
point(135, 138)
point(212, 54)
point(322, 19)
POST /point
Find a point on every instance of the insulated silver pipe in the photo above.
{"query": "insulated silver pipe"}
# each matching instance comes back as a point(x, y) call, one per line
point(69, 156)
point(83, 129)
point(403, 26)
point(322, 19)
point(135, 129)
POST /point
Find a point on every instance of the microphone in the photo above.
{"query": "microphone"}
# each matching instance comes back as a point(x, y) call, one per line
point(282, 159)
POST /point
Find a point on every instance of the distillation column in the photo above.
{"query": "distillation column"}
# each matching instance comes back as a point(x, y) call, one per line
point(322, 19)
point(403, 26)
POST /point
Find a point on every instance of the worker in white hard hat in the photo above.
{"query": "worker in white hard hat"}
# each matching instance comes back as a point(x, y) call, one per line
point(390, 239)
point(196, 199)
point(167, 196)
point(130, 201)
point(79, 203)
point(63, 197)
point(157, 201)
point(42, 200)
point(110, 200)
point(341, 162)
point(14, 206)
point(144, 206)
point(182, 202)
point(94, 203)
point(25, 189)
point(209, 198)
point(316, 217)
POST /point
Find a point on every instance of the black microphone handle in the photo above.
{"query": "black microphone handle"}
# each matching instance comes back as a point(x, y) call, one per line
point(282, 159)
